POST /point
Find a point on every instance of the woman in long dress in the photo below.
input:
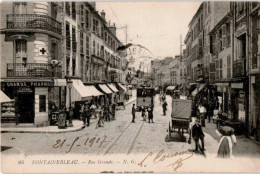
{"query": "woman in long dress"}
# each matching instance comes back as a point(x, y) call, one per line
point(226, 142)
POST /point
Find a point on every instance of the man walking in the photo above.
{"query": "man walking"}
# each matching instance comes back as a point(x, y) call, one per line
point(150, 114)
point(164, 107)
point(87, 114)
point(133, 113)
point(202, 112)
point(197, 134)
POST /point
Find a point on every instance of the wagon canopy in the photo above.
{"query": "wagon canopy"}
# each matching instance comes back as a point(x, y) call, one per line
point(181, 109)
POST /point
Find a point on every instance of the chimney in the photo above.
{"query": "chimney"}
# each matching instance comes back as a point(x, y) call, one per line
point(113, 29)
point(103, 15)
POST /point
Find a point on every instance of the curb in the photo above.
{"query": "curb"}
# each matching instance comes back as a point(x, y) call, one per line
point(26, 131)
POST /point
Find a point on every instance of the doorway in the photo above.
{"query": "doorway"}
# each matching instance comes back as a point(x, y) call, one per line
point(25, 107)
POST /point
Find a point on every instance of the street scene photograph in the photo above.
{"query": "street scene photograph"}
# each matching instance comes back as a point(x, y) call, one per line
point(130, 87)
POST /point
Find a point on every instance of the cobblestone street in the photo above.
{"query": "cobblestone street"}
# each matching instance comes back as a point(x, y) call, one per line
point(118, 136)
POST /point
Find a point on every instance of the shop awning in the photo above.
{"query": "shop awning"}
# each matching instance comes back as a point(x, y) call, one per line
point(80, 92)
point(122, 87)
point(60, 82)
point(4, 98)
point(105, 88)
point(197, 90)
point(111, 86)
point(170, 87)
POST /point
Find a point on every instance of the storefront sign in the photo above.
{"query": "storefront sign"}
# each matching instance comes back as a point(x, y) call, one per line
point(29, 84)
point(237, 85)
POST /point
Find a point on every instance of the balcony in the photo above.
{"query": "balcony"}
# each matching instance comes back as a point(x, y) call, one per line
point(29, 70)
point(33, 22)
point(239, 68)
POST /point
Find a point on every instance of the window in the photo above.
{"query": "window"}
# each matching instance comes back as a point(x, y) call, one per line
point(94, 25)
point(82, 67)
point(209, 10)
point(81, 42)
point(73, 67)
point(74, 44)
point(20, 51)
point(67, 64)
point(87, 19)
point(68, 36)
point(105, 36)
point(20, 8)
point(102, 52)
point(86, 72)
point(87, 46)
point(82, 15)
point(98, 50)
point(102, 32)
point(228, 66)
point(213, 49)
point(255, 39)
point(94, 48)
point(97, 27)
point(54, 51)
point(73, 11)
point(200, 48)
point(228, 37)
point(220, 42)
point(42, 103)
point(54, 10)
point(67, 7)
point(240, 8)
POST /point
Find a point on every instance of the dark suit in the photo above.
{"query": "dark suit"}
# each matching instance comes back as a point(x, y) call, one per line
point(133, 114)
point(197, 134)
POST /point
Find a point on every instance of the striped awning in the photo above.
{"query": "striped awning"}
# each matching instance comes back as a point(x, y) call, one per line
point(112, 87)
point(4, 98)
point(105, 88)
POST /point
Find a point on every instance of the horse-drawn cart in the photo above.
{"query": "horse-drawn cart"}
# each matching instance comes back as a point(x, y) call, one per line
point(180, 117)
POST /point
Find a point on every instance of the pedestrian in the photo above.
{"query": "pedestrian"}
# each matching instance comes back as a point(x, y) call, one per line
point(226, 142)
point(210, 110)
point(202, 113)
point(93, 108)
point(100, 122)
point(150, 114)
point(198, 135)
point(87, 114)
point(164, 106)
point(133, 113)
point(143, 113)
point(113, 111)
point(107, 112)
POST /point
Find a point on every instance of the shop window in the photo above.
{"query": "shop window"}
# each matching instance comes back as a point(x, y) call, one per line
point(42, 103)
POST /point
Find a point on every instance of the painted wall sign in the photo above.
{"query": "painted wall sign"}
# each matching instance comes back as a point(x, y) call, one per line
point(29, 84)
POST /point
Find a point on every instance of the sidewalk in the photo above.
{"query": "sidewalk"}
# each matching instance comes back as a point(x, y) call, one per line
point(245, 147)
point(77, 125)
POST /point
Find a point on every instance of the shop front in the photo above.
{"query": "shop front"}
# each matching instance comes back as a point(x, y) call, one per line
point(30, 104)
point(122, 91)
point(238, 102)
point(115, 94)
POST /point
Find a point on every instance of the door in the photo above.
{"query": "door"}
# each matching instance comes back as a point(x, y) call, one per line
point(25, 107)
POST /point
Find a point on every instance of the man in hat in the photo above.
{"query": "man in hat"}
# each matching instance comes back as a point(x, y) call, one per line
point(197, 134)
point(133, 113)
point(87, 114)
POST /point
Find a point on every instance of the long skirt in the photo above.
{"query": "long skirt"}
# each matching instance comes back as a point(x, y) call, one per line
point(225, 147)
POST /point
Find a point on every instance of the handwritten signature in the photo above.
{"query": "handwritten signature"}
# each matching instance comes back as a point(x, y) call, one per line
point(88, 142)
point(160, 157)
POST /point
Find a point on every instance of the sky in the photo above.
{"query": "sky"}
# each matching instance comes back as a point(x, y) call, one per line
point(155, 25)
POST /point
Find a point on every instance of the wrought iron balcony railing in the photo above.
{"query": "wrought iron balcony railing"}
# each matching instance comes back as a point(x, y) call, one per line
point(33, 21)
point(33, 70)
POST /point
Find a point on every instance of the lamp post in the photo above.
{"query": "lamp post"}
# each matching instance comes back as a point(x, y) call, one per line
point(69, 85)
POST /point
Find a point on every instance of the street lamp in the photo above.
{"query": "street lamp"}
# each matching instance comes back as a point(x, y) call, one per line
point(69, 85)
